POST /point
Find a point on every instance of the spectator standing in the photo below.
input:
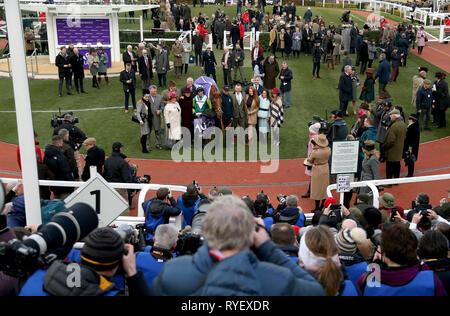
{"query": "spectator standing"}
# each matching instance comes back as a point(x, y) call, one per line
point(95, 156)
point(186, 55)
point(172, 118)
point(368, 89)
point(129, 56)
point(117, 170)
point(92, 60)
point(128, 79)
point(177, 52)
point(418, 82)
point(297, 42)
point(197, 41)
point(264, 116)
point(370, 169)
point(424, 103)
point(252, 102)
point(239, 107)
point(396, 59)
point(161, 66)
point(421, 38)
point(320, 174)
point(227, 62)
point(441, 99)
point(273, 40)
point(372, 52)
point(209, 63)
point(62, 61)
point(364, 55)
point(145, 71)
point(68, 152)
point(337, 42)
point(186, 109)
point(257, 52)
point(157, 107)
point(308, 39)
point(285, 85)
point(393, 145)
point(103, 65)
point(29, 41)
point(345, 89)
point(77, 62)
point(412, 140)
point(317, 53)
point(276, 116)
point(271, 71)
point(58, 164)
point(144, 116)
point(238, 57)
point(227, 106)
point(403, 47)
point(383, 73)
point(288, 42)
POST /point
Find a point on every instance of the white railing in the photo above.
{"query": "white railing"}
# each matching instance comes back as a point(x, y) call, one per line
point(373, 183)
point(249, 39)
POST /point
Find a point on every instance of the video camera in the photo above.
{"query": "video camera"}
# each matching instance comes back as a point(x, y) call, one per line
point(133, 235)
point(325, 126)
point(58, 120)
point(22, 258)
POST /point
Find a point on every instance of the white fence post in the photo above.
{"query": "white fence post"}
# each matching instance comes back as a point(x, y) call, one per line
point(141, 25)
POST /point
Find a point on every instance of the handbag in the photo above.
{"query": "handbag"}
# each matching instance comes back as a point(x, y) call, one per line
point(135, 119)
point(191, 59)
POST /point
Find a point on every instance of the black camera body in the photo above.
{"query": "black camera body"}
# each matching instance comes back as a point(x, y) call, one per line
point(58, 120)
point(325, 126)
point(424, 213)
point(188, 243)
point(281, 198)
point(146, 179)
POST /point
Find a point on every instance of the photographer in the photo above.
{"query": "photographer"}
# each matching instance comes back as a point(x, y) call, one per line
point(421, 203)
point(165, 242)
point(291, 213)
point(230, 232)
point(76, 136)
point(95, 157)
point(101, 256)
point(188, 202)
point(334, 215)
point(159, 209)
point(338, 128)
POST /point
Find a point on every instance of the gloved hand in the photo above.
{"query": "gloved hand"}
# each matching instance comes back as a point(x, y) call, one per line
point(168, 125)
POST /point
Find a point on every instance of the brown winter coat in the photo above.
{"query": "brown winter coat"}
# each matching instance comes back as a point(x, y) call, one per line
point(320, 177)
point(252, 112)
point(29, 41)
point(394, 141)
point(177, 52)
point(271, 73)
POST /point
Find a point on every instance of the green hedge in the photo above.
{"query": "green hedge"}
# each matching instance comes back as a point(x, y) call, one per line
point(373, 36)
point(264, 39)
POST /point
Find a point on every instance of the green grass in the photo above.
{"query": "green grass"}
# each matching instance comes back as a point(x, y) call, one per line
point(309, 97)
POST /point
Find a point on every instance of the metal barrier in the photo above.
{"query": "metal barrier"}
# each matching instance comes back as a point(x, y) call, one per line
point(373, 183)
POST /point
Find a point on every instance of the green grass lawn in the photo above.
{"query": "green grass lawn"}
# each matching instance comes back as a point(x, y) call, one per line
point(309, 97)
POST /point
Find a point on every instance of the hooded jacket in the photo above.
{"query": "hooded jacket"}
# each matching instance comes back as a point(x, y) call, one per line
point(266, 271)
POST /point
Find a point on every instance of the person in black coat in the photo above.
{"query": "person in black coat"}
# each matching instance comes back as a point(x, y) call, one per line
point(145, 70)
point(441, 99)
point(95, 157)
point(77, 62)
point(285, 84)
point(235, 34)
point(403, 46)
point(288, 43)
point(412, 140)
point(364, 55)
point(62, 61)
point(128, 79)
point(58, 164)
point(209, 63)
point(129, 57)
point(345, 89)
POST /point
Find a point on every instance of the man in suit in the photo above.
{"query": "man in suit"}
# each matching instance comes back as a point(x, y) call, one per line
point(219, 29)
point(128, 79)
point(145, 71)
point(129, 57)
point(62, 61)
point(345, 89)
point(227, 63)
point(238, 57)
point(157, 107)
point(256, 83)
point(239, 107)
point(77, 62)
point(257, 52)
point(161, 66)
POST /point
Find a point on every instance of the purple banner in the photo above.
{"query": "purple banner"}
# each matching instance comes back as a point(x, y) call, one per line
point(85, 53)
point(83, 31)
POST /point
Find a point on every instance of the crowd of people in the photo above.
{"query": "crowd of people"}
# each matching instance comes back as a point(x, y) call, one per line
point(233, 246)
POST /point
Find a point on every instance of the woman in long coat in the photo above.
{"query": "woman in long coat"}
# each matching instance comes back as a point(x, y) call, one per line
point(420, 37)
point(93, 62)
point(297, 42)
point(368, 89)
point(320, 173)
point(172, 118)
point(370, 169)
point(187, 52)
point(186, 110)
point(276, 115)
point(252, 103)
point(177, 52)
point(142, 115)
point(271, 71)
point(264, 116)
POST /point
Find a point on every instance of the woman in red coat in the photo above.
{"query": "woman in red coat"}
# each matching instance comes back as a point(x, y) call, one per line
point(202, 31)
point(242, 31)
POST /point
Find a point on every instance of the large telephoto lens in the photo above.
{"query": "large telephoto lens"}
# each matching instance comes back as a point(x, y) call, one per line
point(65, 228)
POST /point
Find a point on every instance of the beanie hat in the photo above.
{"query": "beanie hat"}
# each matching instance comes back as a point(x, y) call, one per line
point(329, 201)
point(103, 249)
point(372, 216)
point(347, 240)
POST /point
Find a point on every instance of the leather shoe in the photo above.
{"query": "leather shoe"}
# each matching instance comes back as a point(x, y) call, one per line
point(306, 195)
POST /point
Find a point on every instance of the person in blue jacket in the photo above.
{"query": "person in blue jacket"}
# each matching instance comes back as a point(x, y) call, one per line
point(396, 59)
point(237, 258)
point(261, 209)
point(383, 73)
point(102, 254)
point(399, 272)
point(151, 263)
point(291, 214)
point(318, 254)
point(188, 202)
point(283, 235)
point(159, 210)
point(347, 241)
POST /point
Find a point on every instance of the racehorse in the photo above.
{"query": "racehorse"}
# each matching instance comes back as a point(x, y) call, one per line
point(216, 101)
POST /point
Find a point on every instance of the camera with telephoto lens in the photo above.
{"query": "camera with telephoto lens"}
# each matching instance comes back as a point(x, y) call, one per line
point(145, 179)
point(22, 258)
point(134, 236)
point(335, 210)
point(188, 243)
point(58, 120)
point(282, 199)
